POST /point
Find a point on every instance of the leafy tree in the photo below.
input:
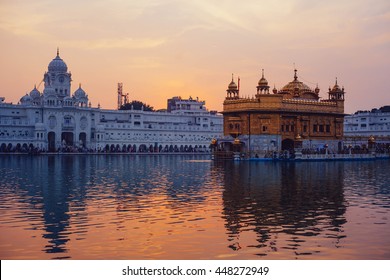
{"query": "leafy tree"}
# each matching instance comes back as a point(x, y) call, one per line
point(136, 105)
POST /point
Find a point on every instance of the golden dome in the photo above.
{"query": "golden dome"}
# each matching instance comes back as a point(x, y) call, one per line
point(317, 89)
point(336, 87)
point(263, 81)
point(297, 88)
point(292, 86)
point(275, 90)
point(213, 141)
point(232, 85)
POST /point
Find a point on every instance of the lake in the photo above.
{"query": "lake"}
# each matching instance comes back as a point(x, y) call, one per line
point(189, 207)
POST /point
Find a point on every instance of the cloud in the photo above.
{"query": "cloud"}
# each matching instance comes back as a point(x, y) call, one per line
point(118, 43)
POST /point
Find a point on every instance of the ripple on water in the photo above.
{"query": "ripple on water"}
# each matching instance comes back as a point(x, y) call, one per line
point(169, 207)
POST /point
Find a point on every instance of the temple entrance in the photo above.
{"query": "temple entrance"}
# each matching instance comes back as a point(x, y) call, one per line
point(67, 138)
point(287, 144)
point(82, 139)
point(51, 139)
point(340, 146)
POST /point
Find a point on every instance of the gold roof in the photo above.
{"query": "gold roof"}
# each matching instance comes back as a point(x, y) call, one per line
point(232, 85)
point(336, 88)
point(263, 81)
point(299, 89)
point(291, 86)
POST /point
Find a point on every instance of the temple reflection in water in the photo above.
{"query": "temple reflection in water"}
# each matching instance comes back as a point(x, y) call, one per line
point(296, 199)
point(188, 207)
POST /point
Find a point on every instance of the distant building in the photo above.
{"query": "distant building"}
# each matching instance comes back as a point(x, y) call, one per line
point(185, 105)
point(293, 117)
point(57, 120)
point(362, 125)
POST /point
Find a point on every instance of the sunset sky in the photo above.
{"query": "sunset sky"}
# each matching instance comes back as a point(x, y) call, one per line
point(164, 48)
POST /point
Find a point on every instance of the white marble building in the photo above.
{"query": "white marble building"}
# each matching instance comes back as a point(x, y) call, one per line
point(362, 125)
point(368, 123)
point(55, 119)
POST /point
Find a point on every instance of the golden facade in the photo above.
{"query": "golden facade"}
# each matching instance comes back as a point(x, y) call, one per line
point(283, 119)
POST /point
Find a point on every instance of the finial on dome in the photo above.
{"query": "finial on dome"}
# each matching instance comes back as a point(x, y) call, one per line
point(262, 73)
point(317, 89)
point(79, 85)
point(58, 51)
point(232, 77)
point(295, 74)
point(336, 81)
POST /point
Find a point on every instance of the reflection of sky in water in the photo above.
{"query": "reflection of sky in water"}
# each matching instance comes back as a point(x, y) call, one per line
point(183, 207)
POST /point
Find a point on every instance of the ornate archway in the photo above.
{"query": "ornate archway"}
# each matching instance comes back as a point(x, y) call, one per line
point(51, 140)
point(288, 144)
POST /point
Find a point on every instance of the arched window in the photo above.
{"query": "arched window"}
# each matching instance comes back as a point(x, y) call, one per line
point(52, 122)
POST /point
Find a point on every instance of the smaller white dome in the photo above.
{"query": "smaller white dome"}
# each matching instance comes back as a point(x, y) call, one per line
point(79, 93)
point(35, 94)
point(25, 99)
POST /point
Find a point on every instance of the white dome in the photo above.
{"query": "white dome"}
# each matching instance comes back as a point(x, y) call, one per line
point(79, 93)
point(57, 64)
point(25, 99)
point(35, 94)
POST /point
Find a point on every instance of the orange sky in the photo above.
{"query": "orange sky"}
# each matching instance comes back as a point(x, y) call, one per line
point(164, 48)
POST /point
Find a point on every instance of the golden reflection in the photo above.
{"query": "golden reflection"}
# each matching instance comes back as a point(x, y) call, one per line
point(288, 207)
point(120, 207)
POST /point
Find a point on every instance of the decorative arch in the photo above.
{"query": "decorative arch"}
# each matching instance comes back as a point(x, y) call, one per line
point(288, 144)
point(51, 140)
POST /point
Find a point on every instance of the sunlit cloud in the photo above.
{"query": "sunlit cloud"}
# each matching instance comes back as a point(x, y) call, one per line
point(143, 62)
point(116, 43)
point(23, 26)
point(171, 46)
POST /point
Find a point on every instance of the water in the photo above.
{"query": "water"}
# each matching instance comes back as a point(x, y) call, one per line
point(188, 207)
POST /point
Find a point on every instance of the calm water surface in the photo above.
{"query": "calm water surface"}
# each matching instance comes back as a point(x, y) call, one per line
point(188, 207)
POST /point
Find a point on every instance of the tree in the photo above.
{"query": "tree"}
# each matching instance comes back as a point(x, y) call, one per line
point(136, 105)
